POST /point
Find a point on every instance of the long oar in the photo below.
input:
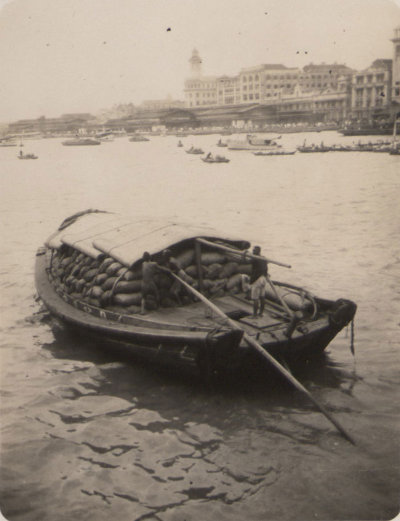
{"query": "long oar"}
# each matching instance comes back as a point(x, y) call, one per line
point(253, 343)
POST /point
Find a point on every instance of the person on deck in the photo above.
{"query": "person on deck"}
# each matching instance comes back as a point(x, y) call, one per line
point(149, 288)
point(258, 282)
point(170, 264)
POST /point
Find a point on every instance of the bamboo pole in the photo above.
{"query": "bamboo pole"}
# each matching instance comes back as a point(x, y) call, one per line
point(253, 343)
point(240, 253)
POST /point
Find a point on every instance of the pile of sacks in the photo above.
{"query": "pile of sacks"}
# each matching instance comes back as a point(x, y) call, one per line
point(106, 283)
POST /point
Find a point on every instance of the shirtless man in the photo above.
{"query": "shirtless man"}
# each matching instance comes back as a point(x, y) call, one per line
point(149, 269)
point(258, 281)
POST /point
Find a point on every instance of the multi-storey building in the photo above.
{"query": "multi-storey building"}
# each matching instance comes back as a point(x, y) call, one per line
point(396, 66)
point(371, 90)
point(159, 104)
point(266, 84)
point(323, 76)
point(199, 90)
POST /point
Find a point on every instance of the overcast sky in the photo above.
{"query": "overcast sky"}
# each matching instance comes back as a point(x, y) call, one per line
point(60, 56)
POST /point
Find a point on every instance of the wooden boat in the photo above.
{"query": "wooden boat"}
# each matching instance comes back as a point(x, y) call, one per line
point(193, 150)
point(216, 159)
point(275, 153)
point(253, 142)
point(220, 143)
point(138, 138)
point(313, 148)
point(88, 275)
point(366, 131)
point(81, 141)
point(26, 156)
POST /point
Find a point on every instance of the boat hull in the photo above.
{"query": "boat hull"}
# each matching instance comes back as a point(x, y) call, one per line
point(208, 350)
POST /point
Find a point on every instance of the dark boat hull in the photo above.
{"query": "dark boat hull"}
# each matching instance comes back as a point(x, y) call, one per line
point(208, 350)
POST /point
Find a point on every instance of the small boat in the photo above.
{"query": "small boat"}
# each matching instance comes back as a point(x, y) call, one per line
point(7, 143)
point(216, 159)
point(252, 142)
point(193, 150)
point(180, 144)
point(279, 152)
point(221, 144)
point(81, 141)
point(138, 138)
point(105, 136)
point(88, 275)
point(314, 148)
point(366, 131)
point(26, 156)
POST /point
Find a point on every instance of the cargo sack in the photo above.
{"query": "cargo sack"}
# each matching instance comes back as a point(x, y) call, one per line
point(235, 281)
point(106, 262)
point(229, 269)
point(214, 271)
point(100, 278)
point(217, 285)
point(124, 286)
point(132, 274)
point(185, 258)
point(113, 268)
point(127, 299)
point(192, 271)
point(90, 274)
point(212, 258)
point(109, 283)
point(95, 292)
point(105, 299)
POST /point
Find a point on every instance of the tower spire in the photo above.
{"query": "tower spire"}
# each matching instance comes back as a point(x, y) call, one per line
point(195, 64)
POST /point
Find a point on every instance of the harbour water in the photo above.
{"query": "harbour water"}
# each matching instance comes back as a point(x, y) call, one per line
point(87, 435)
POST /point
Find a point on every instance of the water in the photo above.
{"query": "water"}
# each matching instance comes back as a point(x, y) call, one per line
point(89, 436)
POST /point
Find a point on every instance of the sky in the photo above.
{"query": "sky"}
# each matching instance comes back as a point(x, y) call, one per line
point(67, 56)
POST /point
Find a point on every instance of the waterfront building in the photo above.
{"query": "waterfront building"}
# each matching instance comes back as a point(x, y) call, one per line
point(323, 76)
point(371, 91)
point(167, 103)
point(199, 90)
point(265, 82)
point(316, 92)
point(396, 66)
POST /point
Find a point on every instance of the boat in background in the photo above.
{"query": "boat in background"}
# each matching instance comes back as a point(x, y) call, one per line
point(395, 146)
point(81, 141)
point(105, 136)
point(194, 150)
point(138, 138)
point(89, 276)
point(215, 159)
point(253, 142)
point(26, 156)
point(279, 152)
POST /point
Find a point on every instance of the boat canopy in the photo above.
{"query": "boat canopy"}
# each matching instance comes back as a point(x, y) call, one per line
point(125, 240)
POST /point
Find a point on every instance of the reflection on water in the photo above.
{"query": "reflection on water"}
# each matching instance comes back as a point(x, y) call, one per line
point(89, 434)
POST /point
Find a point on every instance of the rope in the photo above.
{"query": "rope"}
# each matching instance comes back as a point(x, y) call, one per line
point(352, 337)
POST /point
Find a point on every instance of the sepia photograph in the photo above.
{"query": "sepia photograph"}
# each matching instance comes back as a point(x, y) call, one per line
point(200, 260)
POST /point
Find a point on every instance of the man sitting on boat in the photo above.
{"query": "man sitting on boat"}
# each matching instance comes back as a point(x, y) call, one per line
point(149, 287)
point(258, 282)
